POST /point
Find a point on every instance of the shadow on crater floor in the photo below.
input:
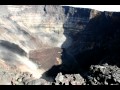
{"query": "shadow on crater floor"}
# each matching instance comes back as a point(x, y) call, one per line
point(98, 43)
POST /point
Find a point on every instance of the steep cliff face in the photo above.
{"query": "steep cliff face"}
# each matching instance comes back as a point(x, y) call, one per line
point(99, 42)
point(31, 28)
point(27, 32)
point(25, 28)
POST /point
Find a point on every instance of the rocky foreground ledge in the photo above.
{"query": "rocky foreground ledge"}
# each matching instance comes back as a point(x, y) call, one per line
point(97, 75)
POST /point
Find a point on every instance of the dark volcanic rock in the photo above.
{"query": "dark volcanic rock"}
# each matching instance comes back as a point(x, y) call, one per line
point(104, 75)
point(69, 79)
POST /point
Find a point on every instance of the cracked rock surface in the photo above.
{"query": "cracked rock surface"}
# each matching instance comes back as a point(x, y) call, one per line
point(104, 75)
point(69, 79)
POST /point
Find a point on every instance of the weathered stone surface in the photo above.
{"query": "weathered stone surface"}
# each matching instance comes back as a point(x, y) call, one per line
point(107, 75)
point(25, 29)
point(31, 38)
point(67, 79)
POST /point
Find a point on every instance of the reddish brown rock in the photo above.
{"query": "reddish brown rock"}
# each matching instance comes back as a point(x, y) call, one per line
point(46, 58)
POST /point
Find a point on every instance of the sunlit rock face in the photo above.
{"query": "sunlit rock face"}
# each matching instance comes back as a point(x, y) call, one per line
point(31, 28)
